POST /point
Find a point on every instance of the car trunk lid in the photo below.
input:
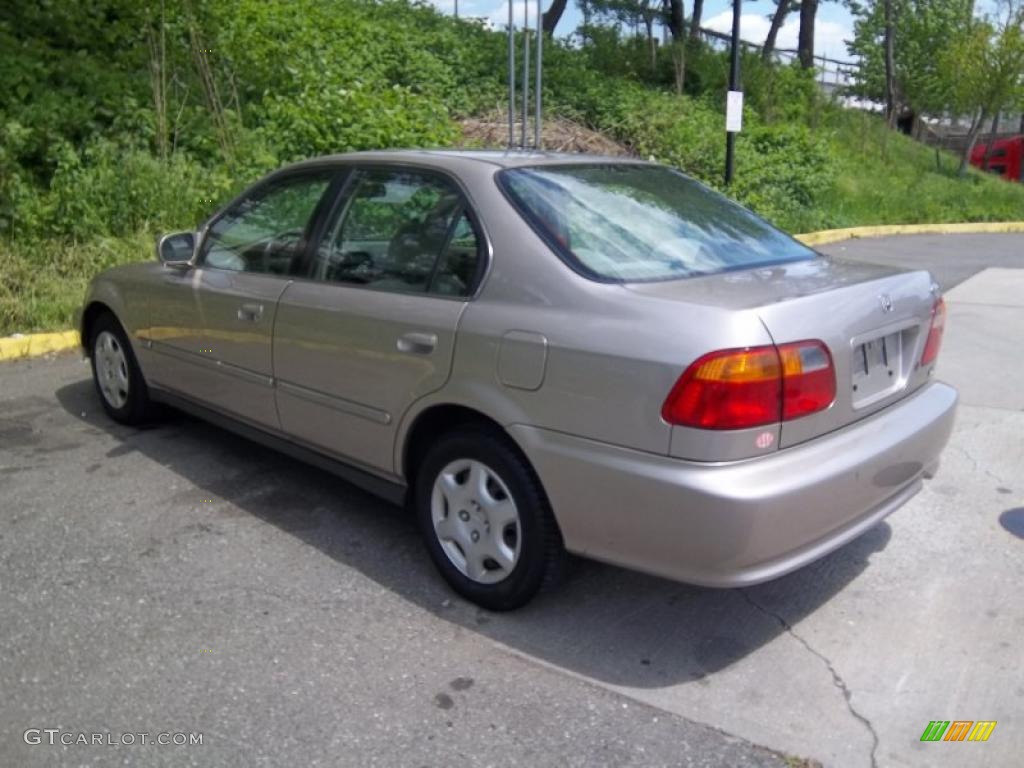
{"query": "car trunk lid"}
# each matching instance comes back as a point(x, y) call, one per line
point(874, 321)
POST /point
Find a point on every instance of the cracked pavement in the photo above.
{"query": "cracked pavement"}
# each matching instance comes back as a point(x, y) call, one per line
point(182, 578)
point(837, 680)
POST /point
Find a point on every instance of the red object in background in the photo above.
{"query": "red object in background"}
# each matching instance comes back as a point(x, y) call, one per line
point(1005, 159)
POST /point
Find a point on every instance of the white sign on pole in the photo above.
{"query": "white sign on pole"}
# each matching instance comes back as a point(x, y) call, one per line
point(734, 112)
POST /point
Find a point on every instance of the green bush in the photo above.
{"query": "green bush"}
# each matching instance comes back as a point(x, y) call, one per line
point(784, 170)
point(327, 118)
point(109, 191)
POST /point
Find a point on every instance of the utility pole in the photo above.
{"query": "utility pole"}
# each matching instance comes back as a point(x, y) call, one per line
point(734, 100)
point(526, 73)
point(511, 78)
point(890, 68)
point(540, 77)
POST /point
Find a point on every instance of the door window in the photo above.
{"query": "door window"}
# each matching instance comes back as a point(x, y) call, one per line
point(403, 231)
point(457, 271)
point(266, 231)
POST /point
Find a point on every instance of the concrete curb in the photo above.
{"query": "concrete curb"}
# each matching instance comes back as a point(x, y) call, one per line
point(885, 230)
point(36, 344)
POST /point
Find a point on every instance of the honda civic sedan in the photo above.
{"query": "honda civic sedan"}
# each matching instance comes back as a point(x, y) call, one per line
point(542, 354)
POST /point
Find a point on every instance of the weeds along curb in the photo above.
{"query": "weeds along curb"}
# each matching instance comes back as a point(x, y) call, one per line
point(28, 345)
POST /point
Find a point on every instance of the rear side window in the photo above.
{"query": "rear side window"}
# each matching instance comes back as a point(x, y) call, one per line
point(631, 222)
point(458, 269)
point(403, 231)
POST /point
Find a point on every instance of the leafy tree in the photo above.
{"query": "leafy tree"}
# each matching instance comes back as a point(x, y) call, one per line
point(782, 9)
point(805, 40)
point(551, 17)
point(635, 13)
point(899, 44)
point(698, 13)
point(984, 69)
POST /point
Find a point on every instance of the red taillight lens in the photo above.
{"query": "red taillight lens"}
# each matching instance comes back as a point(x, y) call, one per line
point(931, 346)
point(808, 378)
point(739, 388)
point(729, 389)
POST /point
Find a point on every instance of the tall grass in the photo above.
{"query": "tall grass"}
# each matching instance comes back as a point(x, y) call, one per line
point(44, 281)
point(884, 177)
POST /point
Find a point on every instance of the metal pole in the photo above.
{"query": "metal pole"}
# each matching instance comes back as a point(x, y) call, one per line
point(540, 61)
point(511, 78)
point(526, 73)
point(456, 9)
point(734, 85)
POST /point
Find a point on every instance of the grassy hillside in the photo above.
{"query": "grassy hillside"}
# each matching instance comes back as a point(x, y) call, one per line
point(93, 162)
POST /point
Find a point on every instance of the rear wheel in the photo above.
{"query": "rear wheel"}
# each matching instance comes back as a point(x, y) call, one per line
point(116, 374)
point(486, 520)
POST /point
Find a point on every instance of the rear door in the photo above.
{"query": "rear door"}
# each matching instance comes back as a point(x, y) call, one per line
point(372, 327)
point(246, 261)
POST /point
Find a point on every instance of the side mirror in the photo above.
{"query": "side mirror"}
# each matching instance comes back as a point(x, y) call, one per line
point(177, 249)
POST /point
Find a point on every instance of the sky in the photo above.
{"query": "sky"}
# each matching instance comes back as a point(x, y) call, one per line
point(834, 23)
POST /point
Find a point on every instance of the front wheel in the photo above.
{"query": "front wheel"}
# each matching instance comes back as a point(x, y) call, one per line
point(486, 520)
point(116, 374)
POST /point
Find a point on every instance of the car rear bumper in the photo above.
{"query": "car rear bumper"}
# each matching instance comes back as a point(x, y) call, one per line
point(740, 523)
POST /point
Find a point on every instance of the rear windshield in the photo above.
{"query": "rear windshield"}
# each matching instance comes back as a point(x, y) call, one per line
point(631, 222)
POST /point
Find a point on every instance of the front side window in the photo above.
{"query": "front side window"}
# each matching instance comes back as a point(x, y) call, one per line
point(632, 222)
point(404, 231)
point(266, 231)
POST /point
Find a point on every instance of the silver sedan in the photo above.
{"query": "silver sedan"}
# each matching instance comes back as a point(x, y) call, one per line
point(543, 354)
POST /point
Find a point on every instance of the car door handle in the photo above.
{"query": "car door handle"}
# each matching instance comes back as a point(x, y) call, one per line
point(417, 343)
point(251, 312)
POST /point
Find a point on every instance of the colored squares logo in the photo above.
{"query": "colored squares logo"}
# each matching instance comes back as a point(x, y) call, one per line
point(958, 730)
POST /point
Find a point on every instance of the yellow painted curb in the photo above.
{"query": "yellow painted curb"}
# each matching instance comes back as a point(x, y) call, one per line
point(36, 344)
point(885, 230)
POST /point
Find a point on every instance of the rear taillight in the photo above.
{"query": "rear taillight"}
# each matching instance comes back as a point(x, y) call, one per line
point(729, 389)
point(739, 388)
point(931, 346)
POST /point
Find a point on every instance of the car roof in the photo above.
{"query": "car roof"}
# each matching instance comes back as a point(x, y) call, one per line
point(449, 158)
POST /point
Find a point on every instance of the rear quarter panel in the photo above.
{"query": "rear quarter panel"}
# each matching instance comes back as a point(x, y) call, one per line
point(612, 356)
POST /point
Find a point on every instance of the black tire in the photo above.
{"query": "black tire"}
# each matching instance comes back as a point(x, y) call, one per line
point(137, 407)
point(541, 556)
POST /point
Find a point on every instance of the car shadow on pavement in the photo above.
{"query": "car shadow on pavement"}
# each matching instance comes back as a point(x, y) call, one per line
point(613, 625)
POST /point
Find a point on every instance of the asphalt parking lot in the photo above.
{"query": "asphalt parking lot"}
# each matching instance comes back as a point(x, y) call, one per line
point(180, 579)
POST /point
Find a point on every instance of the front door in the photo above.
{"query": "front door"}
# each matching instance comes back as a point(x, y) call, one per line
point(372, 327)
point(246, 261)
point(175, 334)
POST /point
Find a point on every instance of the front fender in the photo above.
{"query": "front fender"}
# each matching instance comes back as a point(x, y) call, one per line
point(122, 291)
